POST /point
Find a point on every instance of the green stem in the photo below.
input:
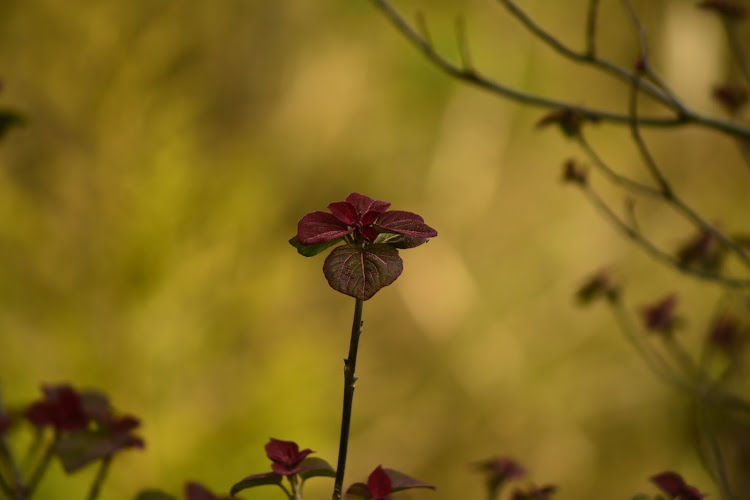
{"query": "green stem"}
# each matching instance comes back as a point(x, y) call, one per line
point(41, 468)
point(101, 475)
point(296, 487)
point(350, 379)
point(5, 487)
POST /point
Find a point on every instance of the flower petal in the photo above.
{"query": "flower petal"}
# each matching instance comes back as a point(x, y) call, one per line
point(319, 227)
point(402, 222)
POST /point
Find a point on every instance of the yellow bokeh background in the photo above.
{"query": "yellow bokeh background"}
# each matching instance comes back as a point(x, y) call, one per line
point(170, 149)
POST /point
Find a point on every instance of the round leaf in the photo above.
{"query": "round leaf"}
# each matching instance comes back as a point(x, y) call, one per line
point(361, 272)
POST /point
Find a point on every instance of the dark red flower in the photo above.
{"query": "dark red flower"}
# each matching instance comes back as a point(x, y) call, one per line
point(673, 485)
point(362, 217)
point(286, 456)
point(61, 408)
point(660, 317)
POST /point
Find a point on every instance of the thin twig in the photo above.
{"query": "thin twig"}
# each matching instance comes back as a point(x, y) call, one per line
point(591, 23)
point(737, 47)
point(477, 79)
point(653, 360)
point(665, 188)
point(463, 45)
point(645, 65)
point(655, 251)
point(659, 366)
point(582, 57)
point(101, 475)
point(717, 463)
point(614, 177)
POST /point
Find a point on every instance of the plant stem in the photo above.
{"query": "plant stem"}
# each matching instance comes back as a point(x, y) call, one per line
point(101, 475)
point(350, 379)
point(41, 468)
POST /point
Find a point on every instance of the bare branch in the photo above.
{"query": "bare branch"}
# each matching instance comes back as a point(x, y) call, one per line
point(477, 79)
point(738, 48)
point(636, 236)
point(463, 45)
point(591, 23)
point(613, 176)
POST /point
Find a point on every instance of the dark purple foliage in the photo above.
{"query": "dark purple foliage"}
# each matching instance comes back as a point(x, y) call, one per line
point(86, 426)
point(368, 260)
point(381, 483)
point(660, 317)
point(61, 408)
point(194, 491)
point(673, 485)
point(725, 334)
point(286, 456)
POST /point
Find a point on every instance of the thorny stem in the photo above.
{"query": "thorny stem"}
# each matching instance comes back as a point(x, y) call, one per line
point(101, 475)
point(350, 379)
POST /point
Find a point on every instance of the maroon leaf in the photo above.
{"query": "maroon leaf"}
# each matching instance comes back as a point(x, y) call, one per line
point(154, 495)
point(673, 485)
point(319, 227)
point(79, 448)
point(402, 222)
point(358, 490)
point(286, 456)
point(361, 272)
point(315, 467)
point(367, 208)
point(401, 481)
point(379, 484)
point(344, 211)
point(256, 480)
point(194, 491)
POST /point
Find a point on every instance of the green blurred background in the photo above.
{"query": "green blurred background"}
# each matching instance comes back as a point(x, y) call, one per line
point(170, 149)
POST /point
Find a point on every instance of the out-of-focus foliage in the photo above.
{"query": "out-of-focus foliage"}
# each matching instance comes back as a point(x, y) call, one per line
point(170, 148)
